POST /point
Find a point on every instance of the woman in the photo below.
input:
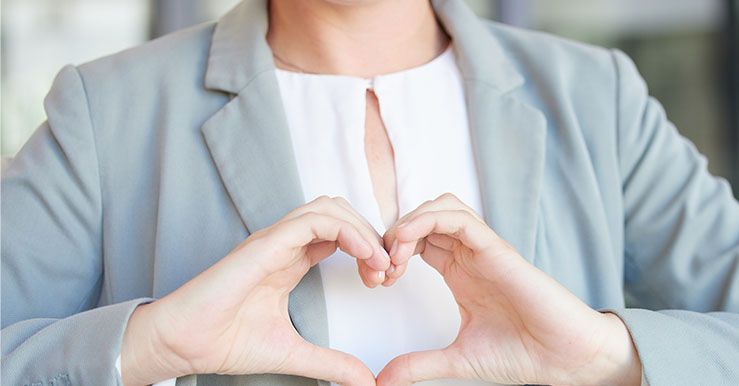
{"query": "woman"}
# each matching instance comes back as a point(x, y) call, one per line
point(567, 186)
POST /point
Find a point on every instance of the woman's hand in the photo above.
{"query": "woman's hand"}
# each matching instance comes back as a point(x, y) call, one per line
point(519, 326)
point(233, 318)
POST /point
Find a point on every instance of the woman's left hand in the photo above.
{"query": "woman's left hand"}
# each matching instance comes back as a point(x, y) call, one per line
point(519, 326)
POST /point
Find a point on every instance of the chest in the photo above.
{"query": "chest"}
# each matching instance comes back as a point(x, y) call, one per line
point(380, 161)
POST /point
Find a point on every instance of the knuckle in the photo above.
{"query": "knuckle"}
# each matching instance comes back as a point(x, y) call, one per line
point(462, 213)
point(448, 197)
point(423, 216)
point(322, 200)
point(340, 200)
point(309, 215)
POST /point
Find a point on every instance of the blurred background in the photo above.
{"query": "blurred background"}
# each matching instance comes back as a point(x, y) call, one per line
point(687, 50)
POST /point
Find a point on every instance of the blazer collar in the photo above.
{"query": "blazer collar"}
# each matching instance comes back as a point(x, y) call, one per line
point(480, 56)
point(239, 51)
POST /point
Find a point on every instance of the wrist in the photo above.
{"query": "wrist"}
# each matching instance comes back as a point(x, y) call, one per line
point(617, 362)
point(145, 359)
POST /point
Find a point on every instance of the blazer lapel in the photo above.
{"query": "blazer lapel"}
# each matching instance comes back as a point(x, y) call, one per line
point(508, 135)
point(509, 143)
point(251, 147)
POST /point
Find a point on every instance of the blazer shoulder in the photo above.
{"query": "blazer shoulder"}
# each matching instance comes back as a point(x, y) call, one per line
point(531, 49)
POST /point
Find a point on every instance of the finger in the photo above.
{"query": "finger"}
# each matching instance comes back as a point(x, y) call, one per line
point(369, 276)
point(370, 270)
point(438, 258)
point(404, 250)
point(458, 224)
point(401, 255)
point(320, 250)
point(396, 271)
point(416, 367)
point(380, 260)
point(310, 227)
point(444, 242)
point(449, 201)
point(446, 201)
point(316, 362)
point(340, 208)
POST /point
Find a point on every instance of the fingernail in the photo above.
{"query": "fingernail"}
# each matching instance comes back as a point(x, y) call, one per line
point(390, 270)
point(394, 248)
point(381, 276)
point(384, 253)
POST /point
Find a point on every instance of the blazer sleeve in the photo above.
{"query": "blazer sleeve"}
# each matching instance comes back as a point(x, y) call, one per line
point(681, 231)
point(52, 259)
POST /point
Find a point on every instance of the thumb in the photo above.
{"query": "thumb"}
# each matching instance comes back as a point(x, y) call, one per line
point(317, 362)
point(418, 366)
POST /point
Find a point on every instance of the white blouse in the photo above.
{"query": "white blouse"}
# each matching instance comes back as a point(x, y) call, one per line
point(425, 115)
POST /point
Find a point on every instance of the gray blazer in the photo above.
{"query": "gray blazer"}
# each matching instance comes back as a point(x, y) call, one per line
point(157, 161)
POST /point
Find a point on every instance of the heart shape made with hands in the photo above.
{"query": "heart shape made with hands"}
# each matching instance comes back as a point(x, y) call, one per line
point(518, 325)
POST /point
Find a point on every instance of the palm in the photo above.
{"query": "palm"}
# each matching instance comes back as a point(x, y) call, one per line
point(504, 316)
point(216, 332)
point(272, 335)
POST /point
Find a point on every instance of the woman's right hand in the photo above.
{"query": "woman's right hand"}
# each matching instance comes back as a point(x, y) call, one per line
point(233, 318)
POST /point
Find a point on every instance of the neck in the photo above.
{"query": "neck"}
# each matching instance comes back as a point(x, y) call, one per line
point(358, 38)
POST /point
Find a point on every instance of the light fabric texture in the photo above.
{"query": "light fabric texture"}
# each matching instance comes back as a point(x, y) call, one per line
point(425, 117)
point(154, 163)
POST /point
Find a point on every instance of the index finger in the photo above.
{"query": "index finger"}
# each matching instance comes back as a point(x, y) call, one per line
point(309, 227)
point(458, 224)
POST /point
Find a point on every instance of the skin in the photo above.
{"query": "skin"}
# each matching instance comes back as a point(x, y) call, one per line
point(381, 160)
point(359, 37)
point(518, 324)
